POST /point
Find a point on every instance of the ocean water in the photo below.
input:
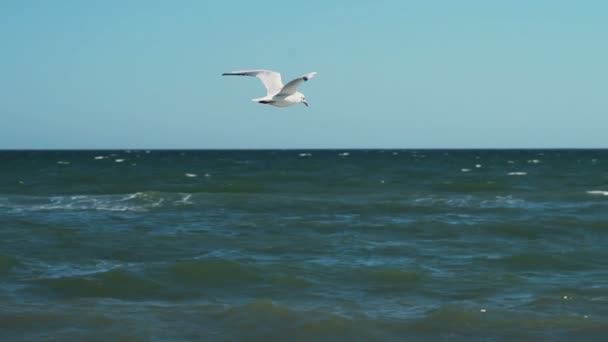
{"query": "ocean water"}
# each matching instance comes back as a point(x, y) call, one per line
point(318, 245)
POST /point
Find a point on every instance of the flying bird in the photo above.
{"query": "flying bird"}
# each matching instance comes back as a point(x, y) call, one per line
point(277, 94)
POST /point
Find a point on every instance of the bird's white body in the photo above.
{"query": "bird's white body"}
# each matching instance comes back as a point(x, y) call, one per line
point(281, 100)
point(277, 94)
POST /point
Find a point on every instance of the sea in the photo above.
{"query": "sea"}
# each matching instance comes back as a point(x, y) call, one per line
point(304, 245)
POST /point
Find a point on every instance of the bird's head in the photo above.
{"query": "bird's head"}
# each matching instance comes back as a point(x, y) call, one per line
point(303, 99)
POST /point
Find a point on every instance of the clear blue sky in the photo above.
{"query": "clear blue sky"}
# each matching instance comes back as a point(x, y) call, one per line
point(392, 74)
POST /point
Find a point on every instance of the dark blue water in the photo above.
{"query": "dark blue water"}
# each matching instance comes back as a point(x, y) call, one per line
point(304, 245)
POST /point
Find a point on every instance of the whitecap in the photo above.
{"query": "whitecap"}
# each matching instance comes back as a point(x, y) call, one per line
point(344, 154)
point(517, 173)
point(119, 160)
point(100, 157)
point(55, 271)
point(132, 196)
point(185, 199)
point(478, 166)
point(136, 202)
point(305, 154)
point(598, 192)
point(61, 162)
point(191, 175)
point(533, 161)
point(465, 170)
point(504, 202)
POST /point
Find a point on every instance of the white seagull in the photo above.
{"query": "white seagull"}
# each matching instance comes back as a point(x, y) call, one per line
point(277, 94)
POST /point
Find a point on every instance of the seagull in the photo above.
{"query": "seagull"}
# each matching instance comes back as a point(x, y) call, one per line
point(277, 94)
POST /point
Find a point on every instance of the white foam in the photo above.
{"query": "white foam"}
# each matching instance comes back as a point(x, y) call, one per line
point(517, 173)
point(478, 166)
point(305, 154)
point(598, 192)
point(534, 161)
point(191, 175)
point(185, 199)
point(465, 170)
point(344, 154)
point(100, 157)
point(119, 160)
point(132, 196)
point(511, 162)
point(61, 162)
point(54, 271)
point(136, 202)
point(504, 202)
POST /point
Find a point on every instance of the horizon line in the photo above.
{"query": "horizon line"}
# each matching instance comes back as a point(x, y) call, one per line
point(308, 149)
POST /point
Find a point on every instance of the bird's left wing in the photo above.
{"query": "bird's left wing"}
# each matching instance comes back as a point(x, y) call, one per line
point(270, 79)
point(293, 85)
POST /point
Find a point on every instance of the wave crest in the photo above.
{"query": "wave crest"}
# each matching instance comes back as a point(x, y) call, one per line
point(137, 202)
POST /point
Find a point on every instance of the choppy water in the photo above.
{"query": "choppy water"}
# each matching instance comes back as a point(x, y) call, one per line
point(304, 245)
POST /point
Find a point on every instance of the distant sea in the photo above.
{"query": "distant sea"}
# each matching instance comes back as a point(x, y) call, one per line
point(310, 245)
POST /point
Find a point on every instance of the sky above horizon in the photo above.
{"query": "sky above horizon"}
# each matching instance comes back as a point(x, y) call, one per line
point(391, 74)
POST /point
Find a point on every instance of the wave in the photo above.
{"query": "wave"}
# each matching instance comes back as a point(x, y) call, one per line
point(154, 200)
point(468, 187)
point(159, 281)
point(487, 322)
point(136, 202)
point(536, 261)
point(117, 283)
point(274, 320)
point(265, 319)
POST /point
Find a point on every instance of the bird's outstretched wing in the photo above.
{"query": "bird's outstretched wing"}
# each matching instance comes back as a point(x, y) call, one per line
point(270, 79)
point(293, 85)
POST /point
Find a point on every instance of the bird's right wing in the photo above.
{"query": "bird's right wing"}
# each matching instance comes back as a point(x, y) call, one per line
point(293, 85)
point(270, 79)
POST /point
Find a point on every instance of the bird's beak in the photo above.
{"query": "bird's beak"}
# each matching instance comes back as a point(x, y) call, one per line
point(306, 103)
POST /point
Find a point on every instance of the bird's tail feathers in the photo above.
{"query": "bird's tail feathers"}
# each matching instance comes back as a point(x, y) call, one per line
point(263, 100)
